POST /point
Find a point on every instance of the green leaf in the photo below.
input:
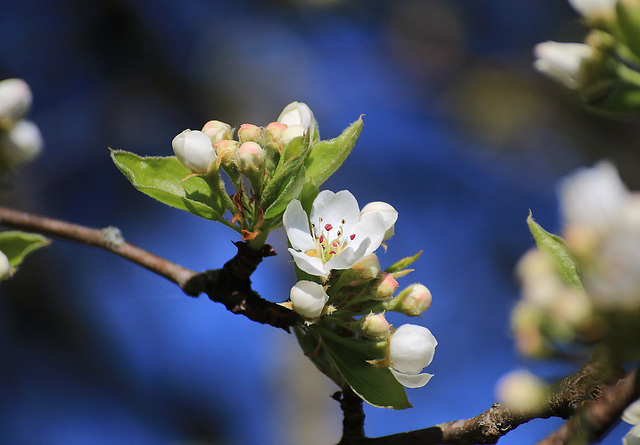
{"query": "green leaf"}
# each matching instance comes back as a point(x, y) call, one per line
point(556, 248)
point(327, 156)
point(17, 245)
point(308, 341)
point(292, 158)
point(161, 178)
point(374, 384)
point(308, 195)
point(403, 263)
point(291, 191)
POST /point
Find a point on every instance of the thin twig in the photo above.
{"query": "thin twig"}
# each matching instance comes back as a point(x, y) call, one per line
point(108, 238)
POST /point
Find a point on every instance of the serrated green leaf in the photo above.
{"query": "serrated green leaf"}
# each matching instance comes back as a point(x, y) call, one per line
point(161, 178)
point(327, 156)
point(403, 263)
point(308, 341)
point(556, 248)
point(292, 158)
point(374, 384)
point(17, 245)
point(291, 191)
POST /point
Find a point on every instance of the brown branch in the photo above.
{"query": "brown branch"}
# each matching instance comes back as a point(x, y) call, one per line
point(595, 420)
point(353, 417)
point(230, 285)
point(489, 426)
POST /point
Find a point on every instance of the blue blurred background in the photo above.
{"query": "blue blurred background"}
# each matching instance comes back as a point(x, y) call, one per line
point(461, 136)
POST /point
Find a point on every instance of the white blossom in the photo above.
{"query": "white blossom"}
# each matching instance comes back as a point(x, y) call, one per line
point(5, 267)
point(21, 144)
point(308, 299)
point(15, 101)
point(411, 348)
point(335, 236)
point(195, 151)
point(561, 61)
point(389, 214)
point(593, 8)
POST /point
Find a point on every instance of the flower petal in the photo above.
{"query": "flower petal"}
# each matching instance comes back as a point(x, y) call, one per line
point(296, 224)
point(348, 257)
point(371, 227)
point(333, 208)
point(309, 264)
point(632, 413)
point(411, 380)
point(632, 437)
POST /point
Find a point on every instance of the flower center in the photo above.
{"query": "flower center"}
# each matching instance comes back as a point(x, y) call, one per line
point(331, 241)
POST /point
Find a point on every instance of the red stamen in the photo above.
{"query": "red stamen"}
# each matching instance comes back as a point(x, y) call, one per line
point(322, 239)
point(352, 236)
point(333, 252)
point(328, 227)
point(335, 244)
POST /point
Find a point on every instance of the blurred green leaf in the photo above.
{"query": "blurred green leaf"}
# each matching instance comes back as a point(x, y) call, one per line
point(161, 178)
point(556, 248)
point(403, 263)
point(17, 245)
point(327, 156)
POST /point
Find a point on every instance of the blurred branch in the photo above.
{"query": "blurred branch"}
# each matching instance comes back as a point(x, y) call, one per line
point(353, 420)
point(230, 285)
point(597, 417)
point(487, 427)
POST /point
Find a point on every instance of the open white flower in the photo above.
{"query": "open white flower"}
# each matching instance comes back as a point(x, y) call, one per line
point(632, 415)
point(561, 61)
point(335, 236)
point(411, 348)
point(308, 299)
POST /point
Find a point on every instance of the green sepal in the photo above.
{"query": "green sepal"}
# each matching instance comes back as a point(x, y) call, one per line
point(292, 158)
point(628, 24)
point(374, 384)
point(161, 178)
point(290, 191)
point(17, 245)
point(327, 156)
point(308, 195)
point(555, 247)
point(403, 263)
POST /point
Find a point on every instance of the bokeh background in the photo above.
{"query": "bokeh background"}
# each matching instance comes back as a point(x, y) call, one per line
point(461, 136)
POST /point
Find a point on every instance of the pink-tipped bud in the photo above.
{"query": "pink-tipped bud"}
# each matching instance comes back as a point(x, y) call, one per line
point(274, 132)
point(249, 133)
point(251, 156)
point(386, 286)
point(217, 131)
point(291, 132)
point(375, 325)
point(415, 300)
point(226, 150)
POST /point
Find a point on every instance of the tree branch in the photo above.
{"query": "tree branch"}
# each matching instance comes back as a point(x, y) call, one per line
point(353, 416)
point(489, 426)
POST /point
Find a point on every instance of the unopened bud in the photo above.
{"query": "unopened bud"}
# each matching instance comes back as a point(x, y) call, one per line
point(389, 215)
point(274, 132)
point(5, 267)
point(308, 299)
point(385, 286)
point(195, 151)
point(375, 325)
point(415, 300)
point(561, 61)
point(21, 144)
point(521, 390)
point(251, 156)
point(226, 151)
point(291, 132)
point(250, 133)
point(594, 8)
point(368, 267)
point(298, 113)
point(217, 131)
point(15, 101)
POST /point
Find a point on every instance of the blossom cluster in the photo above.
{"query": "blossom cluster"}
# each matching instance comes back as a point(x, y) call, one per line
point(20, 139)
point(334, 246)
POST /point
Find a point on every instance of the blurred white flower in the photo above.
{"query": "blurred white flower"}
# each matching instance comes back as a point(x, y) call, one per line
point(632, 415)
point(21, 144)
point(521, 389)
point(15, 101)
point(561, 61)
point(336, 237)
point(593, 8)
point(195, 151)
point(5, 267)
point(411, 348)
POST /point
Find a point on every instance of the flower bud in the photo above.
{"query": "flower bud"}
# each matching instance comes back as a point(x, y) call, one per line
point(593, 8)
point(298, 113)
point(21, 144)
point(415, 300)
point(389, 215)
point(250, 133)
point(291, 132)
point(561, 61)
point(195, 151)
point(308, 299)
point(274, 132)
point(226, 150)
point(5, 267)
point(375, 325)
point(217, 131)
point(411, 348)
point(368, 267)
point(521, 390)
point(385, 286)
point(251, 156)
point(15, 101)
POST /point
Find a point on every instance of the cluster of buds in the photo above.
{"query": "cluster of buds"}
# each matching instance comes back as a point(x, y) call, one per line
point(603, 68)
point(335, 244)
point(20, 139)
